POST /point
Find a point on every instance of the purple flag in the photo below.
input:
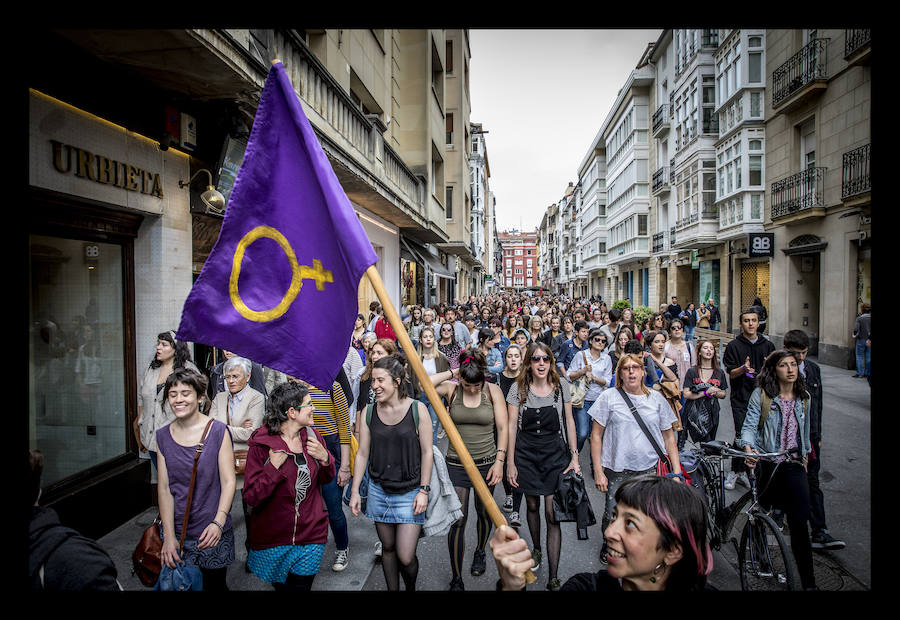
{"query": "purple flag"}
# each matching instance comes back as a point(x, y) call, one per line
point(280, 285)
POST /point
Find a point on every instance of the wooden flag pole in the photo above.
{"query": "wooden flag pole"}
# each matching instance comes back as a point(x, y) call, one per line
point(425, 381)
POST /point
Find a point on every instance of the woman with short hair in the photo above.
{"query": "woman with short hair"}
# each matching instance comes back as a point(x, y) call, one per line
point(209, 538)
point(287, 465)
point(659, 540)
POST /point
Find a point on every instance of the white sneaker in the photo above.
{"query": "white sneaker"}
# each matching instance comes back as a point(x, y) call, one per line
point(341, 559)
point(743, 479)
point(378, 549)
point(730, 479)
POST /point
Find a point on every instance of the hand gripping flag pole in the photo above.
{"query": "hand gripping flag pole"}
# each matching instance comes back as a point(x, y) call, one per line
point(425, 381)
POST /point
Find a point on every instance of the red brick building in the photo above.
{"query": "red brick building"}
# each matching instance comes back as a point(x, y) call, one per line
point(519, 268)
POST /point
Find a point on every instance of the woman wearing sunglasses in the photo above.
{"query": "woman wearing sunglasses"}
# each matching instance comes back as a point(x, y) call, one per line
point(542, 445)
point(596, 365)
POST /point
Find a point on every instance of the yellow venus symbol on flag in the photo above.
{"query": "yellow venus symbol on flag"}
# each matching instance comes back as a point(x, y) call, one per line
point(298, 274)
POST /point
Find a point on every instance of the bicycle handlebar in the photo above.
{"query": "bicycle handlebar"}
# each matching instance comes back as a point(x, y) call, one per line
point(725, 450)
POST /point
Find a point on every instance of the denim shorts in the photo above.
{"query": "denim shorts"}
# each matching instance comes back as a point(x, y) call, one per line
point(384, 507)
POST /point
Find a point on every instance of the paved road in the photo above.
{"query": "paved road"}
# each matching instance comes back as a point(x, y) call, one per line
point(844, 477)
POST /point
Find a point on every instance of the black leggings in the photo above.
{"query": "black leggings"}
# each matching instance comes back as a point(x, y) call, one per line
point(456, 537)
point(295, 583)
point(788, 489)
point(398, 553)
point(554, 533)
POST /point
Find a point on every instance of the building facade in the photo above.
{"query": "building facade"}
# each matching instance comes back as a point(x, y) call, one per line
point(626, 133)
point(456, 155)
point(519, 260)
point(818, 198)
point(119, 154)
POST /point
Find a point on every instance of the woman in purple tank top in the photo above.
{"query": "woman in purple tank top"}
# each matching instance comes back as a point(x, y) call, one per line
point(209, 539)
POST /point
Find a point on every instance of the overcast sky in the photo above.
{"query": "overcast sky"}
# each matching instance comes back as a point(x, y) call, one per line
point(542, 95)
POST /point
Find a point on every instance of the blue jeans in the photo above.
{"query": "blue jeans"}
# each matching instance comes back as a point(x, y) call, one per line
point(688, 333)
point(714, 326)
point(331, 493)
point(435, 423)
point(583, 423)
point(863, 356)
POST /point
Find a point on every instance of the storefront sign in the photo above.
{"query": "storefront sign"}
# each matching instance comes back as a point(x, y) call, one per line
point(68, 159)
point(760, 245)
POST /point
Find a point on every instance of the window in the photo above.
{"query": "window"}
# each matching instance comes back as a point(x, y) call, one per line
point(509, 262)
point(449, 57)
point(756, 206)
point(755, 105)
point(755, 66)
point(755, 170)
point(449, 205)
point(449, 129)
point(517, 252)
point(642, 224)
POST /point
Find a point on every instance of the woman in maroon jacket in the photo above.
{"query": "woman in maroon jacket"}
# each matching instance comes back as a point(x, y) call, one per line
point(287, 464)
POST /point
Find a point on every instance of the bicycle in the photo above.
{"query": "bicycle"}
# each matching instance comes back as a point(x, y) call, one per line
point(764, 560)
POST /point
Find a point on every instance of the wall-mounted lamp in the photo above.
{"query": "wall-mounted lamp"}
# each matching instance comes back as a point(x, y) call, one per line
point(212, 198)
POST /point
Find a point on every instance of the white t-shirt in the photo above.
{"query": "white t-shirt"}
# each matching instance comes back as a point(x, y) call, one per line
point(430, 366)
point(600, 368)
point(625, 446)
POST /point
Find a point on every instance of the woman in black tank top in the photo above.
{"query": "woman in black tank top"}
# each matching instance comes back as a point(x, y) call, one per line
point(400, 469)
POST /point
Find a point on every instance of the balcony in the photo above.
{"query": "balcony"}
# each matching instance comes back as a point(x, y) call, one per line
point(740, 215)
point(801, 77)
point(672, 237)
point(802, 193)
point(661, 120)
point(632, 249)
point(857, 46)
point(661, 181)
point(856, 181)
point(711, 125)
point(698, 229)
point(660, 242)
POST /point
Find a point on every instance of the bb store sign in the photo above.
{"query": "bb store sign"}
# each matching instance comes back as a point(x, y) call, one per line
point(761, 245)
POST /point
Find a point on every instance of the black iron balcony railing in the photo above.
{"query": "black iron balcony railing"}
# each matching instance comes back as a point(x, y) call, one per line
point(672, 237)
point(804, 190)
point(855, 177)
point(856, 39)
point(672, 171)
point(659, 242)
point(660, 178)
point(660, 117)
point(804, 67)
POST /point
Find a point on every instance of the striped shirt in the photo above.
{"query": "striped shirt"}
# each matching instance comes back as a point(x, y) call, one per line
point(331, 417)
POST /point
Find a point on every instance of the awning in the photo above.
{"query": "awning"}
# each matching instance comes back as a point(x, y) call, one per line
point(410, 250)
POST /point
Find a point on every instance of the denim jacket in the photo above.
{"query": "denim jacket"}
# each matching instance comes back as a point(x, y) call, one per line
point(495, 361)
point(769, 438)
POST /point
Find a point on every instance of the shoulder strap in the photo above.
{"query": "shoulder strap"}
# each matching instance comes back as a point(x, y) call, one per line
point(190, 497)
point(415, 409)
point(643, 426)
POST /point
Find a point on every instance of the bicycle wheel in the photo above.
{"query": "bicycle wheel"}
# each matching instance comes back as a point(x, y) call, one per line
point(764, 561)
point(735, 520)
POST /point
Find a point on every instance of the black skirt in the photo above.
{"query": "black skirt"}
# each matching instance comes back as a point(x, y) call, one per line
point(541, 453)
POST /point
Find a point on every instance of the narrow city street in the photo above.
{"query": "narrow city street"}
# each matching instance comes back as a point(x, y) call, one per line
point(844, 477)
